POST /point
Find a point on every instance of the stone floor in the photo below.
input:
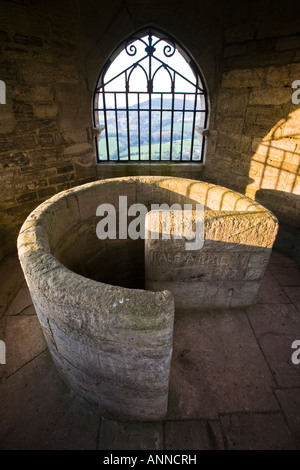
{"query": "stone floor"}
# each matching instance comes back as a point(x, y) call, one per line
point(233, 384)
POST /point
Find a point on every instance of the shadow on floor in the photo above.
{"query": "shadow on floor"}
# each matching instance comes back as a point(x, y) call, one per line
point(233, 384)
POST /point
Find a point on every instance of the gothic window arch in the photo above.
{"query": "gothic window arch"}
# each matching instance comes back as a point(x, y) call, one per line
point(150, 103)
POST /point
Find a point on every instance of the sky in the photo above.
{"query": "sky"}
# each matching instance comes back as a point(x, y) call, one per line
point(138, 80)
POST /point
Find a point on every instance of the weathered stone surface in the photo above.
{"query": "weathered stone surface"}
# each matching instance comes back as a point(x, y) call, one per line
point(111, 344)
point(233, 141)
point(27, 401)
point(217, 367)
point(256, 266)
point(270, 96)
point(9, 285)
point(24, 341)
point(276, 328)
point(37, 59)
point(243, 78)
point(2, 338)
point(290, 403)
point(126, 436)
point(20, 302)
point(192, 294)
point(287, 276)
point(229, 124)
point(262, 58)
point(279, 24)
point(51, 64)
point(292, 42)
point(233, 102)
point(231, 51)
point(294, 294)
point(239, 32)
point(28, 311)
point(282, 75)
point(270, 291)
point(216, 435)
point(78, 149)
point(225, 268)
point(257, 432)
point(279, 258)
point(36, 425)
point(45, 110)
point(121, 362)
point(187, 435)
point(7, 123)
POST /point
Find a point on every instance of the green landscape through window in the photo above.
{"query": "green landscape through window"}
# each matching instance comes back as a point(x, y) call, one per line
point(150, 103)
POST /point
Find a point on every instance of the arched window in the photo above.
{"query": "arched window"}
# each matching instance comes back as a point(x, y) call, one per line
point(150, 103)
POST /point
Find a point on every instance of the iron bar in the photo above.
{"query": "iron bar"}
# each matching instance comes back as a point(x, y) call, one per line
point(161, 117)
point(105, 124)
point(182, 129)
point(172, 117)
point(132, 46)
point(193, 128)
point(127, 115)
point(117, 127)
point(139, 126)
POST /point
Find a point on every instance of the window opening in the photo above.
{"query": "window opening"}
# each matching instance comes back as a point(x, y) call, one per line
point(150, 103)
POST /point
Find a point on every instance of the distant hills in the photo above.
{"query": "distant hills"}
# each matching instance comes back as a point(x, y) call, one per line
point(160, 129)
point(167, 104)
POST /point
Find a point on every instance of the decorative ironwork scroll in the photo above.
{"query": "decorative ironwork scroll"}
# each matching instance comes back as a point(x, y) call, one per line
point(150, 103)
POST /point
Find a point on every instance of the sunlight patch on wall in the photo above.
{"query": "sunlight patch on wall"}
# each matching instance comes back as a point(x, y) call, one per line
point(276, 162)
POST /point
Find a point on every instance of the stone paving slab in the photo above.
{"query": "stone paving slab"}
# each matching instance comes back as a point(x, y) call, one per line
point(288, 276)
point(222, 363)
point(276, 327)
point(37, 411)
point(187, 435)
point(2, 328)
point(28, 311)
point(21, 301)
point(279, 263)
point(216, 435)
point(2, 338)
point(217, 367)
point(257, 432)
point(270, 291)
point(290, 403)
point(278, 258)
point(11, 279)
point(294, 294)
point(24, 341)
point(116, 435)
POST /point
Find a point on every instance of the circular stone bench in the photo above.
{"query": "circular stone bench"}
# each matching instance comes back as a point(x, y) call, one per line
point(110, 339)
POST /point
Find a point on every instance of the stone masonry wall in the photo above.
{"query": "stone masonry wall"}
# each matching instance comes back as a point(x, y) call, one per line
point(45, 145)
point(255, 127)
point(255, 138)
point(51, 53)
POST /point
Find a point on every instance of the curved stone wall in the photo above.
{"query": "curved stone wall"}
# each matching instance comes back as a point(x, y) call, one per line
point(111, 339)
point(227, 270)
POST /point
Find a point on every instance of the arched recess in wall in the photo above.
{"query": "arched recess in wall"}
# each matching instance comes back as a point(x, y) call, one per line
point(150, 103)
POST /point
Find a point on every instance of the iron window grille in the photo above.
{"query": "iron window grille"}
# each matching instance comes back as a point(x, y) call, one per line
point(150, 103)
